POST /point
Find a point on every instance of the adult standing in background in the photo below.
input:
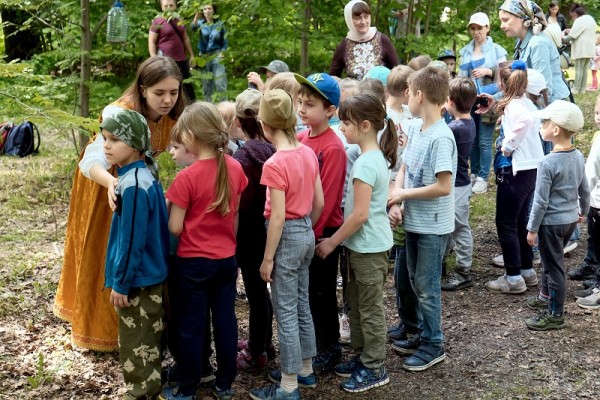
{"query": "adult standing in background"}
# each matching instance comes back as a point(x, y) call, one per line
point(553, 16)
point(168, 37)
point(482, 46)
point(364, 47)
point(582, 37)
point(212, 44)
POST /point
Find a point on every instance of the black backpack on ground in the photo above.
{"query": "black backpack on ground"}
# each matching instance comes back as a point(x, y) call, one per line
point(21, 140)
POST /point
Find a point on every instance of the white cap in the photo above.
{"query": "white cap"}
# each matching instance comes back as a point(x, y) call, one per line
point(480, 19)
point(564, 114)
point(535, 82)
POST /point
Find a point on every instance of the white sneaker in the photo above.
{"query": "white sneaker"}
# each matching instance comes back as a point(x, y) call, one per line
point(344, 329)
point(592, 302)
point(480, 185)
point(571, 245)
point(498, 261)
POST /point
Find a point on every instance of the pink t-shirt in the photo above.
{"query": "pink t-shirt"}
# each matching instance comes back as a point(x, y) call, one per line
point(293, 172)
point(169, 42)
point(206, 233)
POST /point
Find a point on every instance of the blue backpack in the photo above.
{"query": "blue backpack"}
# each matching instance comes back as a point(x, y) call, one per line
point(19, 140)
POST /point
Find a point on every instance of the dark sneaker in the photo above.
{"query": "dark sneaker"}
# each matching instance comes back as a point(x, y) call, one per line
point(363, 379)
point(592, 302)
point(219, 394)
point(246, 362)
point(583, 271)
point(424, 358)
point(408, 346)
point(546, 321)
point(327, 359)
point(581, 293)
point(309, 381)
point(173, 393)
point(397, 332)
point(536, 303)
point(457, 281)
point(273, 392)
point(346, 369)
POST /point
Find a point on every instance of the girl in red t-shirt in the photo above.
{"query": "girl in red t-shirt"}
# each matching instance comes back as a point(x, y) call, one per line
point(294, 202)
point(204, 203)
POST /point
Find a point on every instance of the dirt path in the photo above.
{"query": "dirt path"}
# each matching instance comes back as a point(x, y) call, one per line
point(491, 354)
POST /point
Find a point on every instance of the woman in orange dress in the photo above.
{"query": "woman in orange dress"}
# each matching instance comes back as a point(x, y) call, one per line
point(81, 298)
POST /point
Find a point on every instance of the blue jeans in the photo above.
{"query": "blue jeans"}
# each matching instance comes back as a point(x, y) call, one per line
point(424, 254)
point(198, 285)
point(481, 153)
point(217, 81)
point(295, 328)
point(406, 299)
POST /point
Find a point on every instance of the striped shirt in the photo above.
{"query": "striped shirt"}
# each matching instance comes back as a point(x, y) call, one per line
point(428, 153)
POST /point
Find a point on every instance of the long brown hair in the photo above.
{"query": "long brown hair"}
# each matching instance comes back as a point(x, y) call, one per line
point(366, 106)
point(149, 73)
point(201, 124)
point(513, 76)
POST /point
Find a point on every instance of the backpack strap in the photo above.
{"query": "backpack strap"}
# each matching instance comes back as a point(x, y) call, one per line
point(34, 131)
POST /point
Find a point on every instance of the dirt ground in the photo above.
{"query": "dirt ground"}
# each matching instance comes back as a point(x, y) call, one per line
point(491, 354)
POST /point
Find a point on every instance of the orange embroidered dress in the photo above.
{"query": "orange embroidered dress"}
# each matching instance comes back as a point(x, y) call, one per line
point(81, 298)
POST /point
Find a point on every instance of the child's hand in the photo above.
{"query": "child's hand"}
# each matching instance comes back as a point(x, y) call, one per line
point(395, 196)
point(395, 215)
point(532, 238)
point(266, 269)
point(324, 247)
point(119, 300)
point(112, 197)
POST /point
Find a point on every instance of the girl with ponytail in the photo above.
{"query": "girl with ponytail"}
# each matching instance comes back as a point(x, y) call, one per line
point(204, 201)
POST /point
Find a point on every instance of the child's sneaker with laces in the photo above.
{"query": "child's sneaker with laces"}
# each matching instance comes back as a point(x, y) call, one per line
point(457, 281)
point(536, 303)
point(530, 280)
point(504, 285)
point(273, 392)
point(221, 394)
point(346, 369)
point(592, 302)
point(363, 379)
point(309, 381)
point(546, 321)
point(327, 359)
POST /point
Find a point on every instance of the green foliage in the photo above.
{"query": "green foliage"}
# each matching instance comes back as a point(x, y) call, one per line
point(41, 376)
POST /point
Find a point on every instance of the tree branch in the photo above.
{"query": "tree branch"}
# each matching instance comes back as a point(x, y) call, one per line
point(99, 25)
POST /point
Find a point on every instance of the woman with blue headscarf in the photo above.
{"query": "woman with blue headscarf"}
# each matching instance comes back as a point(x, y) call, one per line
point(525, 20)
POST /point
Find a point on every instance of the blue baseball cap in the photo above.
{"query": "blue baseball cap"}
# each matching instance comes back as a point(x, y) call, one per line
point(324, 84)
point(380, 73)
point(446, 53)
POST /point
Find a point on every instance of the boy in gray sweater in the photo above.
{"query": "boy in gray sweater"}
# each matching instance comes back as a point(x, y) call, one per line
point(561, 199)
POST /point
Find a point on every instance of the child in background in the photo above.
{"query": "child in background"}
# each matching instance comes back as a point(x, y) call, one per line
point(318, 99)
point(595, 66)
point(515, 166)
point(288, 83)
point(252, 235)
point(425, 186)
point(236, 137)
point(137, 253)
point(419, 62)
point(461, 97)
point(205, 198)
point(294, 200)
point(397, 110)
point(590, 298)
point(449, 58)
point(367, 244)
point(562, 198)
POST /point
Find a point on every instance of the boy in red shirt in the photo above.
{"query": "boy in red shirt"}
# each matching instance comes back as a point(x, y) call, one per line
point(318, 100)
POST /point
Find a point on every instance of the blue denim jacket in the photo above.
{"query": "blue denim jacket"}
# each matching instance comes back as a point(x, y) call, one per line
point(491, 52)
point(212, 36)
point(540, 53)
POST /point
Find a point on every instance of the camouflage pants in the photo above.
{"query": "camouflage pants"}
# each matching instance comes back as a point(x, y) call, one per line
point(140, 329)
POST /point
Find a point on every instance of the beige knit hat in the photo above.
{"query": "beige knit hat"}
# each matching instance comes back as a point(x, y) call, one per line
point(277, 109)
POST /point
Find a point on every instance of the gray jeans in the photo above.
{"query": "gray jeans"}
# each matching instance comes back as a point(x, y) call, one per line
point(461, 239)
point(295, 328)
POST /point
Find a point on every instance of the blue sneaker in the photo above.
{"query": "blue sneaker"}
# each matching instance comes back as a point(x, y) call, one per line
point(274, 392)
point(424, 358)
point(346, 369)
point(327, 359)
point(364, 379)
point(173, 393)
point(309, 381)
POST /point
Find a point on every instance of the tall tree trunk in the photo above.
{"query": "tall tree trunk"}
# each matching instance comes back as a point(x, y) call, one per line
point(304, 41)
point(84, 86)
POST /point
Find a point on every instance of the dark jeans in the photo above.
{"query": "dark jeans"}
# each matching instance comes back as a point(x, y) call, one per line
point(407, 302)
point(322, 294)
point(590, 255)
point(198, 285)
point(259, 301)
point(594, 232)
point(512, 205)
point(188, 87)
point(553, 239)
